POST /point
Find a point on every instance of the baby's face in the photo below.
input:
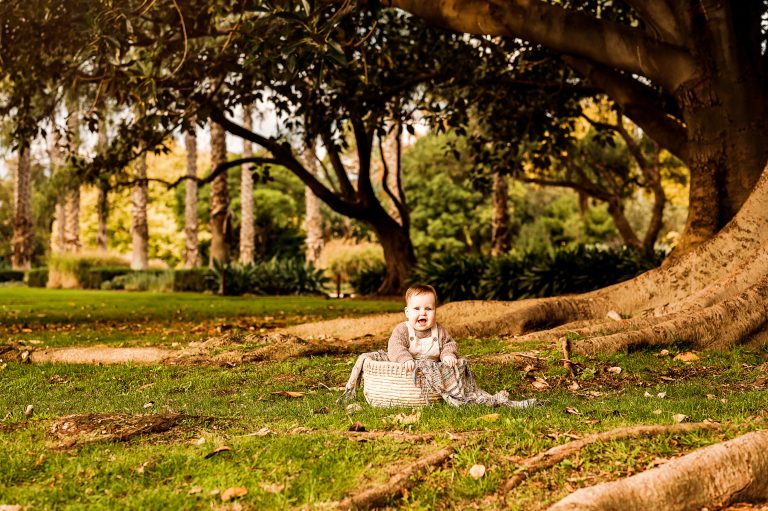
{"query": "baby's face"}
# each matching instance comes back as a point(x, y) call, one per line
point(421, 311)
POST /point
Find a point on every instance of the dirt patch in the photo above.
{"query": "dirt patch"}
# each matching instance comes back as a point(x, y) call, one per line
point(80, 429)
point(102, 355)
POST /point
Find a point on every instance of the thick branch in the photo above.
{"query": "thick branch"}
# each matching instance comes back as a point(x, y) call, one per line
point(659, 19)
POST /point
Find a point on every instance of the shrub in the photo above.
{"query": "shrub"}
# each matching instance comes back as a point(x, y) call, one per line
point(71, 270)
point(143, 280)
point(273, 277)
point(36, 277)
point(368, 280)
point(94, 278)
point(454, 276)
point(11, 276)
point(194, 279)
point(347, 259)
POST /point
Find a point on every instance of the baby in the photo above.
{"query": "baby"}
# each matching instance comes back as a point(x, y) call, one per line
point(420, 337)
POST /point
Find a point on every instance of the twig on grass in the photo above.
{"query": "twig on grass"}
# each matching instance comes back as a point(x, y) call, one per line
point(555, 455)
point(378, 494)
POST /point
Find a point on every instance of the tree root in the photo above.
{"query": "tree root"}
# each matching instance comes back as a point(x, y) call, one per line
point(381, 493)
point(555, 455)
point(722, 325)
point(714, 476)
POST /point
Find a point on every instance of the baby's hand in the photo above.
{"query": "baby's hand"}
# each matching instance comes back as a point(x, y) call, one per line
point(409, 365)
point(450, 361)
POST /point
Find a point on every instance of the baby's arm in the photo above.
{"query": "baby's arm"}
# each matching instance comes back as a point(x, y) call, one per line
point(449, 353)
point(397, 347)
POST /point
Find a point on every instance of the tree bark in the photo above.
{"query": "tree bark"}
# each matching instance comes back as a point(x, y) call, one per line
point(246, 195)
point(21, 244)
point(500, 236)
point(399, 255)
point(59, 219)
point(139, 225)
point(711, 477)
point(72, 197)
point(102, 201)
point(191, 251)
point(219, 197)
point(313, 220)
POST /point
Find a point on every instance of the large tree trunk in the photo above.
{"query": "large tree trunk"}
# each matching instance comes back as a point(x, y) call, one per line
point(102, 201)
point(59, 219)
point(246, 195)
point(313, 219)
point(139, 225)
point(191, 251)
point(500, 236)
point(72, 198)
point(21, 244)
point(398, 253)
point(219, 197)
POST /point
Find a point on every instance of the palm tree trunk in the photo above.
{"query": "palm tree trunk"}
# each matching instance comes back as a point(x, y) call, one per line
point(72, 197)
point(191, 251)
point(102, 201)
point(21, 251)
point(246, 195)
point(219, 197)
point(139, 227)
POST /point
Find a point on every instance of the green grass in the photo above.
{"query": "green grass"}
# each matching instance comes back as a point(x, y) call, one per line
point(293, 453)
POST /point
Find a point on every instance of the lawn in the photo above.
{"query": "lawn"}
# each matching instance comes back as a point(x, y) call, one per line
point(269, 434)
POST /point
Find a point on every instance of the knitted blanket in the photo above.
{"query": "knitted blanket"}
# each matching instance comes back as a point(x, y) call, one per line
point(456, 385)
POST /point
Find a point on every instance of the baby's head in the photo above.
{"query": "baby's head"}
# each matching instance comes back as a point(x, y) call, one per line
point(421, 306)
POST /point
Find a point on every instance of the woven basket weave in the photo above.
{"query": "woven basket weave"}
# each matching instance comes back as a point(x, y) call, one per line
point(388, 384)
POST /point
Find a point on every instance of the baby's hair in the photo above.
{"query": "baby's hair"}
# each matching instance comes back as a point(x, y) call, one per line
point(420, 289)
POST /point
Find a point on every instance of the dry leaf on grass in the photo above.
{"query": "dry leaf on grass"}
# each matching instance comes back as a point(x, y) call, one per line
point(540, 383)
point(687, 356)
point(403, 418)
point(614, 370)
point(233, 493)
point(477, 471)
point(289, 393)
point(195, 490)
point(679, 417)
point(572, 411)
point(272, 488)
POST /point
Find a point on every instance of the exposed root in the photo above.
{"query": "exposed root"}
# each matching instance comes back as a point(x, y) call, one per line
point(555, 455)
point(714, 476)
point(81, 429)
point(719, 326)
point(379, 494)
point(552, 334)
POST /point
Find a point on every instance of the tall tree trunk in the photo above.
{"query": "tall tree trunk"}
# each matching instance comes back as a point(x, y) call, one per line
point(313, 220)
point(139, 226)
point(390, 156)
point(219, 197)
point(246, 195)
point(21, 251)
point(102, 201)
point(616, 210)
point(399, 255)
point(500, 238)
point(191, 251)
point(59, 219)
point(72, 198)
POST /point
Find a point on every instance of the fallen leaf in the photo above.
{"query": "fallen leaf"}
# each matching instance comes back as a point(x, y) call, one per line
point(233, 493)
point(540, 383)
point(272, 488)
point(614, 370)
point(289, 393)
point(661, 395)
point(357, 426)
point(679, 417)
point(491, 417)
point(477, 471)
point(11, 507)
point(710, 396)
point(594, 393)
point(572, 411)
point(218, 450)
point(529, 368)
point(614, 316)
point(195, 490)
point(657, 412)
point(688, 356)
point(261, 432)
point(40, 459)
point(200, 441)
point(647, 394)
point(149, 405)
point(574, 385)
point(29, 411)
point(403, 418)
point(666, 378)
point(664, 353)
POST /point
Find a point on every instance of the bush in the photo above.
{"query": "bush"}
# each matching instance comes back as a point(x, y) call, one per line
point(11, 276)
point(368, 280)
point(533, 274)
point(94, 278)
point(194, 279)
point(71, 270)
point(274, 277)
point(36, 277)
point(142, 280)
point(347, 260)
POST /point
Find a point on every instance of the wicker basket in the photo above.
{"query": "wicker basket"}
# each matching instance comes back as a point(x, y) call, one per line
point(388, 384)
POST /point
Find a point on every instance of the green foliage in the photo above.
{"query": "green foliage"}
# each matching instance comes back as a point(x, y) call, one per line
point(348, 260)
point(94, 278)
point(194, 279)
point(368, 280)
point(533, 274)
point(11, 276)
point(71, 270)
point(36, 277)
point(142, 280)
point(273, 277)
